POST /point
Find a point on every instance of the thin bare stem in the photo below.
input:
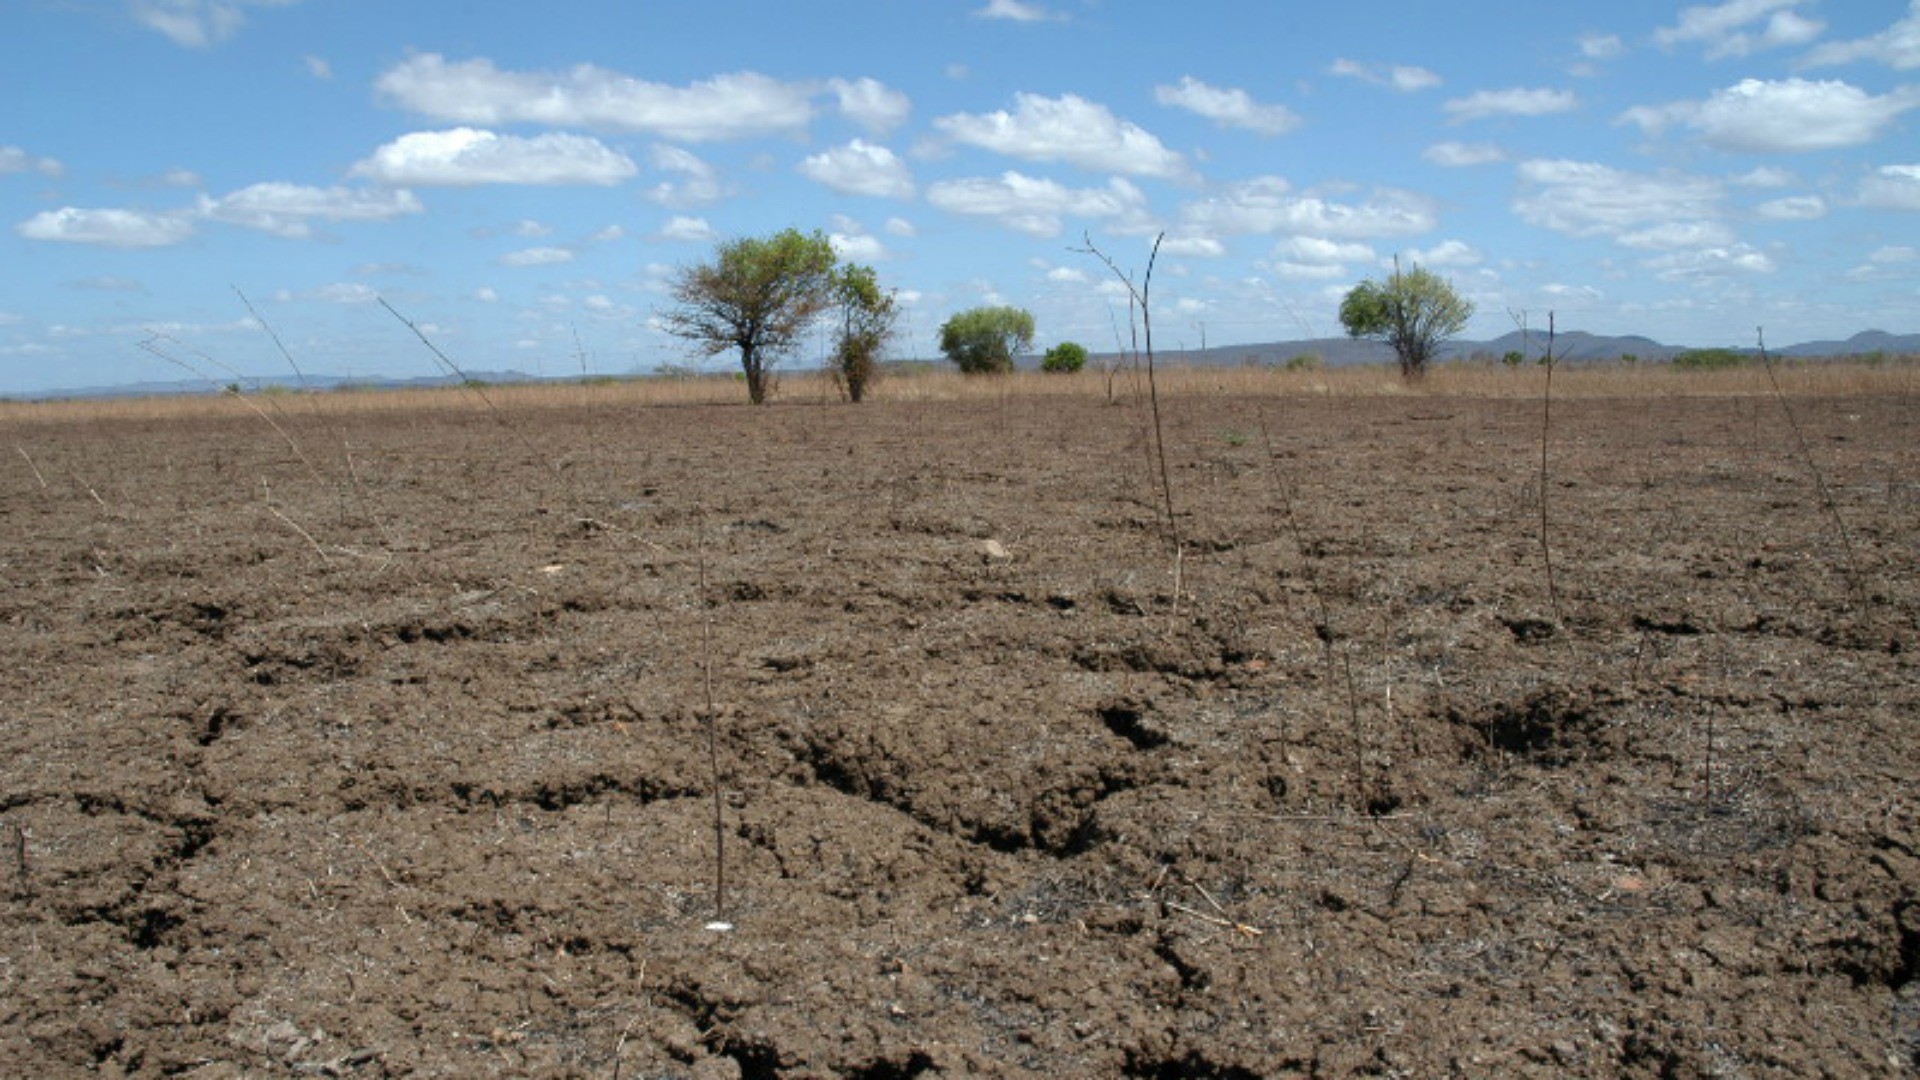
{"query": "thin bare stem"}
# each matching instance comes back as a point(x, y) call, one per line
point(346, 449)
point(1143, 294)
point(31, 465)
point(1855, 587)
point(1546, 432)
point(713, 735)
point(467, 383)
point(1339, 657)
point(153, 345)
point(266, 494)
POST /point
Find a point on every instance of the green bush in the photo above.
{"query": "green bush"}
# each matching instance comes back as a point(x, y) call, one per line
point(1709, 359)
point(1064, 358)
point(982, 340)
point(1305, 361)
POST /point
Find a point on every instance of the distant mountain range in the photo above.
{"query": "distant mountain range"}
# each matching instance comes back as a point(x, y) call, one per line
point(1574, 346)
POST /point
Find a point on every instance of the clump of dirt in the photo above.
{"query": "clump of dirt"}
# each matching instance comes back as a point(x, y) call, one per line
point(401, 767)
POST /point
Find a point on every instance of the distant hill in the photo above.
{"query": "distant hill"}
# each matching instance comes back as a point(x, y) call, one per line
point(1867, 341)
point(1573, 345)
point(252, 385)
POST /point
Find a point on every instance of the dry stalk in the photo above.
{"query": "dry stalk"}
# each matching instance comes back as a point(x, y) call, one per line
point(468, 384)
point(1855, 587)
point(712, 718)
point(1143, 294)
point(31, 465)
point(266, 494)
point(153, 344)
point(346, 449)
point(1546, 433)
point(20, 857)
point(1339, 656)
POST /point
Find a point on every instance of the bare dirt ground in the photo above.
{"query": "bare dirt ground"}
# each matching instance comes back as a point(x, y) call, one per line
point(376, 746)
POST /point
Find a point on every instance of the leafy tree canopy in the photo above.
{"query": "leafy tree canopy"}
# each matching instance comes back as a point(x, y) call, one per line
point(1415, 312)
point(868, 315)
point(758, 295)
point(983, 340)
point(1064, 358)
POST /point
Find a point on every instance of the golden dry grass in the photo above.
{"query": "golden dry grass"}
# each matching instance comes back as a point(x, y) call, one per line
point(1570, 381)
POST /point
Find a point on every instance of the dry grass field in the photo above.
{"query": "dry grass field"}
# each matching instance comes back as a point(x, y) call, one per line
point(367, 734)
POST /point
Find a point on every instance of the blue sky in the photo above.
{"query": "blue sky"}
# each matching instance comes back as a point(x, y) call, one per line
point(521, 179)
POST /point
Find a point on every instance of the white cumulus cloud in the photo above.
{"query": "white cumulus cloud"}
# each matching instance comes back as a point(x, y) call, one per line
point(1014, 11)
point(107, 228)
point(858, 247)
point(1724, 29)
point(1455, 155)
point(1399, 76)
point(1898, 46)
point(1892, 187)
point(698, 183)
point(198, 24)
point(1677, 236)
point(537, 256)
point(1446, 253)
point(686, 229)
point(1036, 206)
point(1227, 107)
point(1267, 204)
point(467, 156)
point(289, 209)
point(1518, 101)
point(1712, 262)
point(1781, 116)
point(15, 160)
point(1067, 128)
point(732, 106)
point(1190, 246)
point(1589, 199)
point(1601, 46)
point(871, 103)
point(1793, 208)
point(861, 168)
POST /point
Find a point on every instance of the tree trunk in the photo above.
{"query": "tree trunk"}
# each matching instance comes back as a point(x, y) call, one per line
point(756, 375)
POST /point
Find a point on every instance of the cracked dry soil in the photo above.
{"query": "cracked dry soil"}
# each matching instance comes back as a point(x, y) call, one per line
point(387, 757)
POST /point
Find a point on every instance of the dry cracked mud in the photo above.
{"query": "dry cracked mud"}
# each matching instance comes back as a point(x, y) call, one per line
point(375, 743)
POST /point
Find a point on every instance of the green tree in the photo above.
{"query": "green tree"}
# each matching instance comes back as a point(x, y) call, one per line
point(1414, 312)
point(1064, 358)
point(868, 315)
point(1709, 359)
point(982, 340)
point(758, 295)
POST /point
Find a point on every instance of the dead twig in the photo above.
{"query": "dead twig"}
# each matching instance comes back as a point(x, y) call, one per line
point(712, 719)
point(469, 384)
point(1142, 294)
point(1855, 587)
point(20, 857)
point(31, 465)
point(292, 524)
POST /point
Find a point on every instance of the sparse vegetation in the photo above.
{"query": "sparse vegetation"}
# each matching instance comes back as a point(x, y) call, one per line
point(1710, 359)
point(1415, 312)
point(868, 314)
point(758, 297)
point(983, 340)
point(534, 749)
point(1065, 358)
